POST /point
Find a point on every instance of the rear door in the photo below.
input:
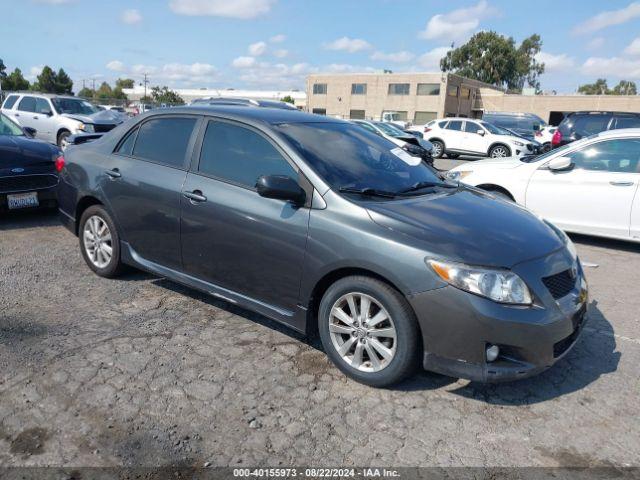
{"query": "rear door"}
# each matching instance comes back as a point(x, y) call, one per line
point(454, 135)
point(232, 236)
point(142, 183)
point(26, 113)
point(596, 196)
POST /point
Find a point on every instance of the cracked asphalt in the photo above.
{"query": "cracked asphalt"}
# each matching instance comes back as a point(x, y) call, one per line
point(143, 372)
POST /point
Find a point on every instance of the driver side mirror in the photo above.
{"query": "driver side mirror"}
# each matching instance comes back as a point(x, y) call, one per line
point(280, 187)
point(480, 132)
point(560, 164)
point(45, 111)
point(29, 132)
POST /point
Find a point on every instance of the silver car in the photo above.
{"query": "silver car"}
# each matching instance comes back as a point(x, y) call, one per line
point(55, 117)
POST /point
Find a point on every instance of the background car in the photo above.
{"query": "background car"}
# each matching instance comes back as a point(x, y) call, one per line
point(412, 144)
point(28, 168)
point(464, 136)
point(589, 186)
point(55, 117)
point(249, 102)
point(527, 125)
point(578, 125)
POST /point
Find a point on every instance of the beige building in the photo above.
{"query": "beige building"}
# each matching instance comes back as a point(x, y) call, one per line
point(421, 97)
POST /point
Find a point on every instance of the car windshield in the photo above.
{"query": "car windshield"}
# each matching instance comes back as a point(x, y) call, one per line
point(494, 130)
point(390, 129)
point(348, 156)
point(8, 127)
point(73, 106)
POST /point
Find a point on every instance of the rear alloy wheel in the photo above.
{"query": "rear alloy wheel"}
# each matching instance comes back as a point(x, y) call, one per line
point(99, 242)
point(369, 331)
point(438, 149)
point(499, 151)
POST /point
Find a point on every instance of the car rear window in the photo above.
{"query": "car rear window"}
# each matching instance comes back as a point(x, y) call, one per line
point(165, 140)
point(10, 101)
point(585, 125)
point(455, 125)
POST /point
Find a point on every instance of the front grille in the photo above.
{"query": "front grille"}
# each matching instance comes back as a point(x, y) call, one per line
point(560, 284)
point(103, 128)
point(27, 183)
point(563, 345)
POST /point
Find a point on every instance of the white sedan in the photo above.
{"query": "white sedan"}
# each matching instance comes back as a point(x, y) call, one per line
point(589, 186)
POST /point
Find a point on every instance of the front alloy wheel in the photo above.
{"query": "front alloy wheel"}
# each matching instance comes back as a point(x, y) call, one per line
point(362, 332)
point(499, 152)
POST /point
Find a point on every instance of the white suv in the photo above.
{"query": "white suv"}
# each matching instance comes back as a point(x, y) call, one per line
point(464, 136)
point(55, 117)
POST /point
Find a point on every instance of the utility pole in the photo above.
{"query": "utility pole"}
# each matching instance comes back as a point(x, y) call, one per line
point(146, 80)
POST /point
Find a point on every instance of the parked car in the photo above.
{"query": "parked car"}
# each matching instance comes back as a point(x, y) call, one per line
point(527, 125)
point(55, 117)
point(589, 186)
point(250, 102)
point(413, 145)
point(578, 125)
point(28, 168)
point(394, 118)
point(463, 136)
point(325, 227)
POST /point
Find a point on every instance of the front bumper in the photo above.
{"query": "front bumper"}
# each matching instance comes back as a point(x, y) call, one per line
point(457, 327)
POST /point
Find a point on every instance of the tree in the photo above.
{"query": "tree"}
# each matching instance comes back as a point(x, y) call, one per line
point(3, 74)
point(15, 81)
point(625, 87)
point(63, 83)
point(85, 93)
point(288, 99)
point(124, 83)
point(495, 59)
point(46, 81)
point(600, 87)
point(164, 95)
point(104, 91)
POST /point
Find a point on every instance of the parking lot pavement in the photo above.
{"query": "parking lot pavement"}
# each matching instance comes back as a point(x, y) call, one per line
point(140, 371)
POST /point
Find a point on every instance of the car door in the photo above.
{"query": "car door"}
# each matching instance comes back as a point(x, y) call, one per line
point(142, 183)
point(596, 195)
point(44, 120)
point(232, 237)
point(26, 112)
point(473, 141)
point(454, 135)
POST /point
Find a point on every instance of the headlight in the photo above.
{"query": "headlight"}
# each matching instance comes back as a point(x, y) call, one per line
point(87, 127)
point(457, 175)
point(500, 286)
point(520, 144)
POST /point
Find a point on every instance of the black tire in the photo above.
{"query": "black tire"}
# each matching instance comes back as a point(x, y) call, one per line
point(438, 148)
point(62, 136)
point(115, 266)
point(453, 156)
point(407, 347)
point(546, 147)
point(493, 151)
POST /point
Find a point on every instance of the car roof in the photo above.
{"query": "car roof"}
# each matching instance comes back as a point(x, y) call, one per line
point(601, 112)
point(46, 95)
point(241, 112)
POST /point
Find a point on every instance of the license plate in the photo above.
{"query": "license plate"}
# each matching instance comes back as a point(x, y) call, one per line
point(23, 200)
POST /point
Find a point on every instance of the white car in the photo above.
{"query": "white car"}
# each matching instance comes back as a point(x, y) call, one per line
point(413, 145)
point(464, 136)
point(589, 186)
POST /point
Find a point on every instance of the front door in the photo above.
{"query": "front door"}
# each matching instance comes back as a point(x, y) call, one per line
point(454, 138)
point(596, 195)
point(143, 182)
point(26, 114)
point(44, 121)
point(473, 141)
point(232, 236)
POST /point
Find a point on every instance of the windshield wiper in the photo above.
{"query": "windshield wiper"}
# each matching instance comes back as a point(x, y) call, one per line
point(370, 192)
point(420, 185)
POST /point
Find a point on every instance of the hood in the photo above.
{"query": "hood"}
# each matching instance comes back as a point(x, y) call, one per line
point(21, 152)
point(103, 117)
point(469, 226)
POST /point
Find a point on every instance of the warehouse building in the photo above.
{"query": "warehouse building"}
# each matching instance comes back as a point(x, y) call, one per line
point(421, 97)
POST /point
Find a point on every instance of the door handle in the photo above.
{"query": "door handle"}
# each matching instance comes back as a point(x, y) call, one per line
point(17, 115)
point(35, 118)
point(621, 183)
point(115, 173)
point(195, 196)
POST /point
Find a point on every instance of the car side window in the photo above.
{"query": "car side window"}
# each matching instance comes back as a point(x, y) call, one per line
point(126, 146)
point(165, 140)
point(471, 127)
point(42, 106)
point(366, 126)
point(27, 104)
point(10, 101)
point(620, 155)
point(240, 155)
point(455, 125)
point(585, 125)
point(627, 122)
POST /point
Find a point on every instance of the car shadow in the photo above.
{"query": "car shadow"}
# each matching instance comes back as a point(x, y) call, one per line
point(607, 243)
point(41, 217)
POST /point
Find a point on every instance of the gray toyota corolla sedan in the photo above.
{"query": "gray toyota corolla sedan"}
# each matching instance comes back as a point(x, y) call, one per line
point(331, 230)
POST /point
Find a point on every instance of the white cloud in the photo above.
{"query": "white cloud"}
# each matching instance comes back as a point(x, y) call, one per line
point(194, 71)
point(457, 24)
point(34, 72)
point(397, 57)
point(595, 43)
point(116, 66)
point(555, 63)
point(633, 48)
point(131, 17)
point(243, 9)
point(609, 18)
point(257, 49)
point(281, 53)
point(54, 2)
point(431, 59)
point(277, 75)
point(244, 62)
point(612, 66)
point(278, 38)
point(347, 44)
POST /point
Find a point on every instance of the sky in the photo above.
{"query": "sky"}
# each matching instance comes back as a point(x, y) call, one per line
point(274, 44)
